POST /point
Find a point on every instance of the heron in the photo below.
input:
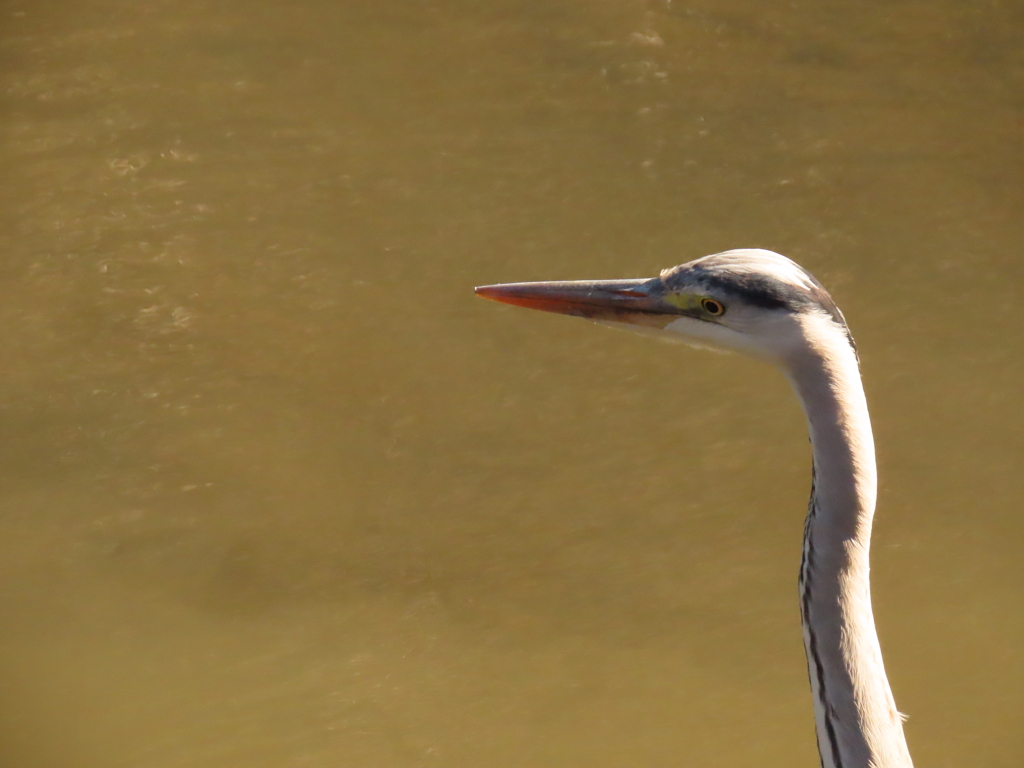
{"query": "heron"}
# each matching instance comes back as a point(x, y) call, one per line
point(764, 305)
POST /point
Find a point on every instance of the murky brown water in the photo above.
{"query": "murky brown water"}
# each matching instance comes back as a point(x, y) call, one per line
point(279, 491)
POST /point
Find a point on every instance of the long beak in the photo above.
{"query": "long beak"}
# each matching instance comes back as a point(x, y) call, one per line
point(640, 302)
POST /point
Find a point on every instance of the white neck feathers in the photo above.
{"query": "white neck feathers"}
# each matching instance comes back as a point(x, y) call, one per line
point(857, 722)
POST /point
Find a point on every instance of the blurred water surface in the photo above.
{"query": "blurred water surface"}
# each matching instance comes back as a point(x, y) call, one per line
point(277, 490)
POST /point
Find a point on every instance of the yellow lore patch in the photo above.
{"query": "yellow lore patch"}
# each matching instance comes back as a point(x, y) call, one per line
point(694, 305)
point(684, 300)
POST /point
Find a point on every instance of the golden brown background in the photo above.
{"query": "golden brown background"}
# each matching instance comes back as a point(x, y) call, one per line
point(277, 491)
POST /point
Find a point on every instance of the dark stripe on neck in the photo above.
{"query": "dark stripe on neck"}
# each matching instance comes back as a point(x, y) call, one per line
point(806, 565)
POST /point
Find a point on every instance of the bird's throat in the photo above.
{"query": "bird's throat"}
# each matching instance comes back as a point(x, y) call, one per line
point(857, 722)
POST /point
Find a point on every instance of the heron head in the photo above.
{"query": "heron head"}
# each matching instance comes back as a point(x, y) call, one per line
point(752, 301)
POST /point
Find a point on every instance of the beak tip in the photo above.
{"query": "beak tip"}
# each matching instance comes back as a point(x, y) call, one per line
point(485, 291)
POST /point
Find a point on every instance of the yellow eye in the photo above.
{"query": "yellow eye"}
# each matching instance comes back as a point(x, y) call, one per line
point(712, 307)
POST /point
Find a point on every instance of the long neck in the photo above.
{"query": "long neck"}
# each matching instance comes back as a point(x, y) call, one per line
point(857, 722)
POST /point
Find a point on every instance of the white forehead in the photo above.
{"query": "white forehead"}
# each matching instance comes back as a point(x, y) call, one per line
point(758, 261)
